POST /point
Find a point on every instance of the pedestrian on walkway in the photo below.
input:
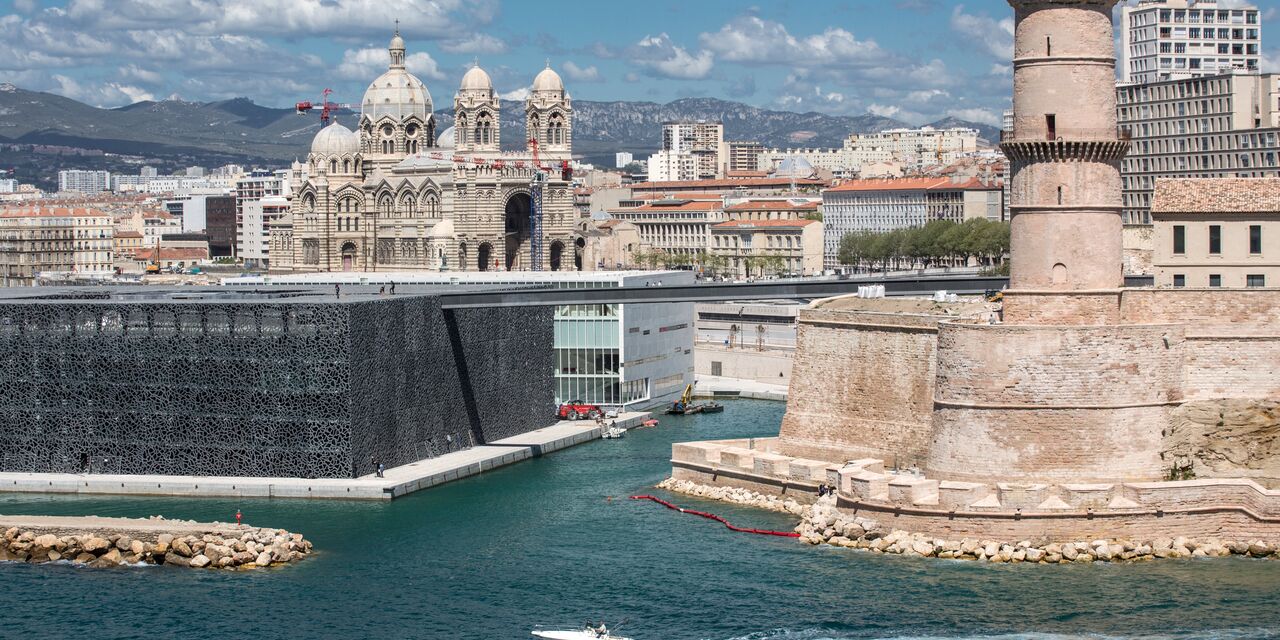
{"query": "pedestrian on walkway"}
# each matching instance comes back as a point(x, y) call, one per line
point(381, 468)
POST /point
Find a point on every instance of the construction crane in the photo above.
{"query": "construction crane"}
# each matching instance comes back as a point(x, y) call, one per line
point(535, 209)
point(327, 108)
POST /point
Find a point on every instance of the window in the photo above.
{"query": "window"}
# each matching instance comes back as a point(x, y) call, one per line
point(1051, 126)
point(1179, 280)
point(1215, 280)
point(1179, 239)
point(1255, 280)
point(1255, 239)
point(1215, 239)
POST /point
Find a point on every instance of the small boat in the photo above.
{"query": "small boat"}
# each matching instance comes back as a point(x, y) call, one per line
point(651, 422)
point(613, 432)
point(580, 634)
point(712, 407)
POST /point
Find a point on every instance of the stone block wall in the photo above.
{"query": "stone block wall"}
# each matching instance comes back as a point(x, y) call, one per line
point(1054, 403)
point(862, 386)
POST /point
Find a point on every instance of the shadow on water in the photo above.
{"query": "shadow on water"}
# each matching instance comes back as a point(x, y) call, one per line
point(554, 541)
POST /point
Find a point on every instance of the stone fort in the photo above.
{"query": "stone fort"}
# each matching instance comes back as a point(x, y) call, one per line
point(1080, 408)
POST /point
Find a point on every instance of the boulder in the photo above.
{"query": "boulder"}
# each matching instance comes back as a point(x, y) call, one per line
point(54, 556)
point(11, 534)
point(1034, 554)
point(176, 560)
point(163, 542)
point(969, 546)
point(181, 548)
point(1237, 547)
point(1259, 549)
point(137, 547)
point(48, 541)
point(1069, 553)
point(923, 548)
point(200, 561)
point(96, 545)
point(85, 558)
point(111, 558)
point(123, 542)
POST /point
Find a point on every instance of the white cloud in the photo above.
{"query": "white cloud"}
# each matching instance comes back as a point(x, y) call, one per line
point(1270, 61)
point(664, 58)
point(138, 74)
point(1003, 70)
point(367, 64)
point(884, 111)
point(754, 40)
point(987, 33)
point(581, 74)
point(515, 94)
point(25, 6)
point(984, 116)
point(109, 94)
point(475, 43)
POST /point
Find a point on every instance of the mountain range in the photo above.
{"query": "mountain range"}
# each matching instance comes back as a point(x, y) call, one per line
point(238, 130)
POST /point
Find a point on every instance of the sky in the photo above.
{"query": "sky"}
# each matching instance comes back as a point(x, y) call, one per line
point(914, 60)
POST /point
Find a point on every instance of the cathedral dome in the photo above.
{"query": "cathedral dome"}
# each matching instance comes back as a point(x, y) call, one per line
point(335, 140)
point(442, 230)
point(548, 80)
point(448, 138)
point(476, 79)
point(396, 93)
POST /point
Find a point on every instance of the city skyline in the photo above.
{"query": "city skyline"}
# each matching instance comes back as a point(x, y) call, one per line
point(839, 57)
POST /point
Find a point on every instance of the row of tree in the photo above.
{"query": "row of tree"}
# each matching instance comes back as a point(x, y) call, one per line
point(938, 243)
point(711, 263)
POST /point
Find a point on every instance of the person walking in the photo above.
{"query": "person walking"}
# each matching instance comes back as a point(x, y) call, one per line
point(381, 469)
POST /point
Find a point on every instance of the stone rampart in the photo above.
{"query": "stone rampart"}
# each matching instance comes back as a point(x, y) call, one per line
point(861, 386)
point(1053, 403)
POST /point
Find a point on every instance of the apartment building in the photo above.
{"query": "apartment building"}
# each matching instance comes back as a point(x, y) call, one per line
point(84, 182)
point(1176, 39)
point(772, 208)
point(254, 216)
point(703, 140)
point(672, 166)
point(1217, 232)
point(35, 240)
point(677, 227)
point(880, 206)
point(1223, 126)
point(914, 147)
point(744, 155)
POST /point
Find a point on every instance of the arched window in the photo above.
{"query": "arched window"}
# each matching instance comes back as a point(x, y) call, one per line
point(333, 166)
point(535, 128)
point(460, 130)
point(346, 166)
point(406, 206)
point(555, 129)
point(384, 206)
point(484, 128)
point(432, 206)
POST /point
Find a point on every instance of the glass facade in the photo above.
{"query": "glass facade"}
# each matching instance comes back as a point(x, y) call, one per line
point(588, 344)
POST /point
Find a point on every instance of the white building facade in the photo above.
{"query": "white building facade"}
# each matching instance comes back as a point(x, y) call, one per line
point(1173, 39)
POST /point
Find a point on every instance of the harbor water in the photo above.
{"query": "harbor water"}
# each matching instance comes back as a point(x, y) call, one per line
point(554, 542)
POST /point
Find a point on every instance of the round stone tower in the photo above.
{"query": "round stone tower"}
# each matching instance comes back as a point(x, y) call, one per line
point(1064, 149)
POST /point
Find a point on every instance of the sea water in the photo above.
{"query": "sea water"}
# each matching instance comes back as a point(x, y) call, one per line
point(554, 542)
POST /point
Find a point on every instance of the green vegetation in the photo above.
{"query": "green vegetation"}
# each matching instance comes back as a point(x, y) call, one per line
point(938, 243)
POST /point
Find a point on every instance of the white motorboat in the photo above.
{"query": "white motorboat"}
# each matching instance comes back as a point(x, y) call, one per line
point(579, 634)
point(613, 432)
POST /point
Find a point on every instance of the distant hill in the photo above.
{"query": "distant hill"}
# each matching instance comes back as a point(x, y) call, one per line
point(239, 130)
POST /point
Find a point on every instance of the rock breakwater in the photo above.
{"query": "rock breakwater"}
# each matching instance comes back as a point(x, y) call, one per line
point(112, 542)
point(823, 523)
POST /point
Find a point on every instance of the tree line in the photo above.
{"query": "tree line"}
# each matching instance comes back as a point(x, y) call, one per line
point(938, 243)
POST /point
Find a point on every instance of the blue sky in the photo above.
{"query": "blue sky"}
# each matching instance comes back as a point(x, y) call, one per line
point(917, 60)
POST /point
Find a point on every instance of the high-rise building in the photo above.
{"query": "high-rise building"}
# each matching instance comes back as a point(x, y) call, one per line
point(744, 155)
point(704, 140)
point(86, 182)
point(622, 159)
point(671, 166)
point(220, 225)
point(253, 221)
point(1224, 126)
point(1172, 39)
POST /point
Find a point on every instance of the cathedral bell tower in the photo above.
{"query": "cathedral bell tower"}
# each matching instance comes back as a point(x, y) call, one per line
point(1064, 150)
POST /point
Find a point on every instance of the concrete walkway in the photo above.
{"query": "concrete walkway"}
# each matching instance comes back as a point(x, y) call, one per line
point(398, 481)
point(721, 387)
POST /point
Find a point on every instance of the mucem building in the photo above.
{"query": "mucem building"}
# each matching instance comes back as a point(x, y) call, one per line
point(295, 382)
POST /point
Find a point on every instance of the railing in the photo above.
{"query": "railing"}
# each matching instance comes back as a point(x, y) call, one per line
point(1060, 134)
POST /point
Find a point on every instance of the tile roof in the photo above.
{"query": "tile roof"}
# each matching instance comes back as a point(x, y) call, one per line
point(675, 205)
point(772, 205)
point(726, 184)
point(916, 184)
point(1216, 195)
point(50, 212)
point(747, 224)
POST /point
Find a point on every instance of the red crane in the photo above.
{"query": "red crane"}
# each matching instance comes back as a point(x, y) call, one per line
point(326, 108)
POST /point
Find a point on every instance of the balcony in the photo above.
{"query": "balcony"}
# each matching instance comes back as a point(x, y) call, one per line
point(1060, 134)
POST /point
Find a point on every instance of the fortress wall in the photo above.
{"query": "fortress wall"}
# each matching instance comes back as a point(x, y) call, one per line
point(1226, 366)
point(1054, 403)
point(1056, 307)
point(861, 386)
point(1251, 307)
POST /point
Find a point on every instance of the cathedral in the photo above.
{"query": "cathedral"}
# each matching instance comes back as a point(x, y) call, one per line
point(398, 195)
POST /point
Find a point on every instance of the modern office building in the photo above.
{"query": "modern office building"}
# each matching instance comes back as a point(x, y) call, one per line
point(885, 205)
point(83, 182)
point(1217, 232)
point(635, 356)
point(1175, 39)
point(220, 225)
point(1222, 126)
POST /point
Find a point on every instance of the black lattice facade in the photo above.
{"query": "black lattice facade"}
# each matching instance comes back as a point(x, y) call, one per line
point(310, 386)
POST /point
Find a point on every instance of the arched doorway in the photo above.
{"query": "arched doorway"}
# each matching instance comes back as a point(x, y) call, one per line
point(483, 256)
point(348, 256)
point(517, 228)
point(557, 250)
point(579, 247)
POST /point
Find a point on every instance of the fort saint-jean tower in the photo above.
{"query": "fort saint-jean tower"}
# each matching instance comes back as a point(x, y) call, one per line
point(1065, 150)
